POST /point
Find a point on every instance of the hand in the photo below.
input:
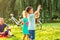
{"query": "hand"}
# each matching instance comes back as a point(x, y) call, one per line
point(39, 7)
point(1, 32)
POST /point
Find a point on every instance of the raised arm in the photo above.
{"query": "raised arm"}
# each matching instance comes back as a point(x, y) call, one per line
point(38, 10)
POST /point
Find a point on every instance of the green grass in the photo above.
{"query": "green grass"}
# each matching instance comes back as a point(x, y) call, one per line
point(50, 31)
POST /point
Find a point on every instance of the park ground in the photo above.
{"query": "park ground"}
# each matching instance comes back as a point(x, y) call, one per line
point(49, 31)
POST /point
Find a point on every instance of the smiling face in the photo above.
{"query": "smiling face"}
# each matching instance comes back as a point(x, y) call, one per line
point(1, 21)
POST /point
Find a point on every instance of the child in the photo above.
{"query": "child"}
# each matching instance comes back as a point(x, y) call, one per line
point(25, 26)
point(2, 27)
point(31, 19)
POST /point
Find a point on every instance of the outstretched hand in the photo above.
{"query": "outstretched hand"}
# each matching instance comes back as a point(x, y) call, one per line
point(39, 7)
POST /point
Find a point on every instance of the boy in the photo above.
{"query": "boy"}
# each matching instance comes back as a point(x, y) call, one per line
point(31, 19)
point(2, 27)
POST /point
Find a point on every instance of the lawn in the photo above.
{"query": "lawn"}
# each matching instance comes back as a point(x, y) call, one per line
point(50, 31)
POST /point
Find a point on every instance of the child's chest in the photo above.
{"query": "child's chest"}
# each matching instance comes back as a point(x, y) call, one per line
point(25, 20)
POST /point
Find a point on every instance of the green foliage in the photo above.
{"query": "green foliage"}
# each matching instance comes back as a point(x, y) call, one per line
point(49, 7)
point(50, 31)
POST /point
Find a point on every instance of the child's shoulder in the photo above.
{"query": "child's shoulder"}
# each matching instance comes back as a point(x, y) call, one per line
point(5, 24)
point(31, 15)
point(25, 18)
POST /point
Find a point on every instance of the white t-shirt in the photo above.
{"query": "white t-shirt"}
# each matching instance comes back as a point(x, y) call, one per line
point(31, 19)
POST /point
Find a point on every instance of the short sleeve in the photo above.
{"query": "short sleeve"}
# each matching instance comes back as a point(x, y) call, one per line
point(5, 25)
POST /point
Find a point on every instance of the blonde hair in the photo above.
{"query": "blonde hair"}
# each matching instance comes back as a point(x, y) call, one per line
point(24, 14)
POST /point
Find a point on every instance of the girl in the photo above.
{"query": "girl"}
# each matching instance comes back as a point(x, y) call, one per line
point(31, 19)
point(25, 25)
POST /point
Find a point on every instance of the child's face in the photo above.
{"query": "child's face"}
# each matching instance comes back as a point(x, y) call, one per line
point(1, 21)
point(31, 11)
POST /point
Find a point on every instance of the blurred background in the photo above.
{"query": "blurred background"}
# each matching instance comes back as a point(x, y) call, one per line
point(50, 11)
point(49, 29)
